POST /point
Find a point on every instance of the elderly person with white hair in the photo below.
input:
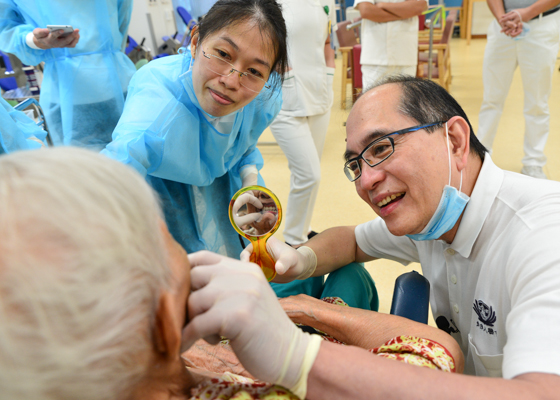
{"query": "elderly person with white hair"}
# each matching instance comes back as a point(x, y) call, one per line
point(93, 289)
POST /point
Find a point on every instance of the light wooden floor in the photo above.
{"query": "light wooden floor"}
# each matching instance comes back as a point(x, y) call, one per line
point(338, 203)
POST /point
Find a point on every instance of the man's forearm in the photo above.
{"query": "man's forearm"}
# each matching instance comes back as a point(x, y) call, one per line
point(375, 13)
point(362, 328)
point(359, 374)
point(497, 8)
point(539, 7)
point(405, 9)
point(335, 248)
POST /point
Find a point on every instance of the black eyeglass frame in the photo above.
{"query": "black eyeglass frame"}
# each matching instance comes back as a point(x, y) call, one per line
point(232, 70)
point(387, 136)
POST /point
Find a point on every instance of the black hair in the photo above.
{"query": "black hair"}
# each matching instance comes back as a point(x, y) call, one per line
point(427, 102)
point(267, 15)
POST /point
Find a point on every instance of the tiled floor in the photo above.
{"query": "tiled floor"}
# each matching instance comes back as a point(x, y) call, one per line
point(338, 204)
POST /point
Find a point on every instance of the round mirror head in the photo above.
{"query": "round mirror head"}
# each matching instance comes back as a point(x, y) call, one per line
point(255, 211)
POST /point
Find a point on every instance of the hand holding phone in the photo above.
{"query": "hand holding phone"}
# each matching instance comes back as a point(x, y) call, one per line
point(67, 29)
point(50, 37)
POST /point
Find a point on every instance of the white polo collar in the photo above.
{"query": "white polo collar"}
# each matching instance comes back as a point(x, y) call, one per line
point(485, 190)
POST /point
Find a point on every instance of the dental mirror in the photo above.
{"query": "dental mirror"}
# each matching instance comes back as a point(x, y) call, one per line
point(255, 213)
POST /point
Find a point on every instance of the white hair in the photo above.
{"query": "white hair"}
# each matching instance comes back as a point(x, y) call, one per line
point(82, 266)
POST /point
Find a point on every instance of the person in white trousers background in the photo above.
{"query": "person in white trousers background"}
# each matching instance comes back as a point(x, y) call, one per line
point(301, 126)
point(525, 33)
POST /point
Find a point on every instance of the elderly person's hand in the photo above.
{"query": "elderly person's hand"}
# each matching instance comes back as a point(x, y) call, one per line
point(218, 358)
point(300, 308)
point(45, 39)
point(233, 299)
point(290, 264)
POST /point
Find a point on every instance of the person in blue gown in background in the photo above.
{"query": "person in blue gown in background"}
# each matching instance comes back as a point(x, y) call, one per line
point(86, 73)
point(18, 131)
point(191, 121)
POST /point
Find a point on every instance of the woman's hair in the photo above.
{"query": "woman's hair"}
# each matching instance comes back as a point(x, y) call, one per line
point(267, 16)
point(82, 267)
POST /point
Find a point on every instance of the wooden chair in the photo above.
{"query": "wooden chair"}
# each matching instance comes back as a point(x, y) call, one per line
point(441, 58)
point(347, 39)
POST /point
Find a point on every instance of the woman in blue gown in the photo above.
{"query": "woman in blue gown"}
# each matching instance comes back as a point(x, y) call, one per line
point(191, 121)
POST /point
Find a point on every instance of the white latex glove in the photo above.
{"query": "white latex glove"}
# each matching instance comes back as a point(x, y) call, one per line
point(246, 198)
point(249, 176)
point(291, 264)
point(232, 299)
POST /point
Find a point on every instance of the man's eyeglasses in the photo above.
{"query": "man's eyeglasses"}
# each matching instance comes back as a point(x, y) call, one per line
point(377, 151)
point(248, 80)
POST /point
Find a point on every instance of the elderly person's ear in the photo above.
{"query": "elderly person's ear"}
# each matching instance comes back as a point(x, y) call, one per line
point(459, 140)
point(167, 329)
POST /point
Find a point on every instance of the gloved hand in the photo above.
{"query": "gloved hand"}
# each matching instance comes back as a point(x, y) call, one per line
point(290, 264)
point(232, 298)
point(249, 176)
point(246, 198)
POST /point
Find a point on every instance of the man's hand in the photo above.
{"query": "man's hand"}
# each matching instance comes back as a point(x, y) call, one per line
point(232, 299)
point(512, 23)
point(290, 264)
point(45, 39)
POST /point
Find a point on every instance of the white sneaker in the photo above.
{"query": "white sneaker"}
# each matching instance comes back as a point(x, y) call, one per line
point(534, 171)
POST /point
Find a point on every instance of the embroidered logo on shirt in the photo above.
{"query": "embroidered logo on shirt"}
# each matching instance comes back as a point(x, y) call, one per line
point(486, 317)
point(445, 325)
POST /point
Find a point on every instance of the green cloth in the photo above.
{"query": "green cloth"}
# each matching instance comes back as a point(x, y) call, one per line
point(352, 283)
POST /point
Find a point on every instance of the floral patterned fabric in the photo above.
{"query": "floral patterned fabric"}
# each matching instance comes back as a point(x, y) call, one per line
point(235, 387)
point(411, 350)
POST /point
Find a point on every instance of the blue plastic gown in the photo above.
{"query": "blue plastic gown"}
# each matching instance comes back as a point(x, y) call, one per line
point(196, 8)
point(16, 129)
point(83, 90)
point(165, 136)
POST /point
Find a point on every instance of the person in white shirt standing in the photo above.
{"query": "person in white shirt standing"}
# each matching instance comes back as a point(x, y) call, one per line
point(524, 33)
point(389, 38)
point(301, 127)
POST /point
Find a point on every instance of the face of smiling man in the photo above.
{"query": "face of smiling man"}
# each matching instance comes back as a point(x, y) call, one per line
point(413, 178)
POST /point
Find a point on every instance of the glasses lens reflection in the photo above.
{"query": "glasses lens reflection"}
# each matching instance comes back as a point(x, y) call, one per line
point(374, 154)
point(223, 68)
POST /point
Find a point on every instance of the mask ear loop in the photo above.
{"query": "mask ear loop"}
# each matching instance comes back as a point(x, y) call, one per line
point(449, 159)
point(184, 51)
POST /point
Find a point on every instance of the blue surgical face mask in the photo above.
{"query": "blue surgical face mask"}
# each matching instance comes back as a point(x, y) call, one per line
point(449, 209)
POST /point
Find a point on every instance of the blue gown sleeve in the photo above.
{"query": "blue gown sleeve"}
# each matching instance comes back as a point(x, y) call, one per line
point(17, 130)
point(13, 31)
point(151, 111)
point(252, 156)
point(125, 13)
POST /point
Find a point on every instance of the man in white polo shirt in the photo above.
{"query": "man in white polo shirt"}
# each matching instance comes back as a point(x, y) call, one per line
point(487, 240)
